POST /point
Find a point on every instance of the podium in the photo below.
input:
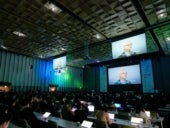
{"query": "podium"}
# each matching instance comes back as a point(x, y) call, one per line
point(5, 87)
point(52, 88)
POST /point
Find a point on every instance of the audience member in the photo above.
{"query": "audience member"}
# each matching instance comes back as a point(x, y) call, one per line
point(103, 116)
point(66, 112)
point(143, 114)
point(27, 114)
point(81, 112)
point(4, 119)
point(5, 116)
point(22, 110)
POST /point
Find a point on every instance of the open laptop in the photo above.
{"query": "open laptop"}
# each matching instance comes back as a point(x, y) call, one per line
point(86, 124)
point(73, 109)
point(148, 113)
point(117, 105)
point(111, 116)
point(91, 108)
point(46, 115)
point(82, 102)
point(136, 120)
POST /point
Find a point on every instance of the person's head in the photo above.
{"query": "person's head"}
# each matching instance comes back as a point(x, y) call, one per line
point(104, 108)
point(24, 102)
point(122, 74)
point(142, 109)
point(127, 46)
point(79, 105)
point(4, 119)
point(3, 108)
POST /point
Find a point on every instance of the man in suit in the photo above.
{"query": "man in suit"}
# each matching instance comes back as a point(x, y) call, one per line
point(123, 77)
point(127, 50)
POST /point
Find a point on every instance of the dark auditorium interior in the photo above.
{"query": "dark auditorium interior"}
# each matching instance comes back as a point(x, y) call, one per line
point(84, 63)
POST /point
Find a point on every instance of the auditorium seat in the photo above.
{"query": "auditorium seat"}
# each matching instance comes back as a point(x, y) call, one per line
point(11, 125)
point(100, 124)
point(123, 115)
point(125, 126)
point(52, 124)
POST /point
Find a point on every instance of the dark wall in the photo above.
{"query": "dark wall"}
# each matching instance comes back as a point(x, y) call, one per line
point(23, 72)
point(161, 74)
point(92, 79)
point(120, 88)
point(161, 71)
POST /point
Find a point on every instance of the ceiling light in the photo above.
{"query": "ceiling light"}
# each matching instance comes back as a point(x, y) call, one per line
point(4, 47)
point(52, 7)
point(167, 39)
point(20, 34)
point(2, 44)
point(98, 61)
point(41, 56)
point(97, 36)
point(162, 15)
point(63, 49)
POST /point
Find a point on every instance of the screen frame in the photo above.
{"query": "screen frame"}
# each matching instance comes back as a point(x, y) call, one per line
point(127, 87)
point(62, 60)
point(121, 42)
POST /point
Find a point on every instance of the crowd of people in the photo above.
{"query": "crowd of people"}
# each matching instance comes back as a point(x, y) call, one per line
point(19, 108)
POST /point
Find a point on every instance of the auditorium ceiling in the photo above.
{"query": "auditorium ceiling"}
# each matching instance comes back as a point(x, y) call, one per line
point(81, 29)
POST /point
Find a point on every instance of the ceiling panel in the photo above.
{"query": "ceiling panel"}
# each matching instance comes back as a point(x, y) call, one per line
point(156, 10)
point(110, 17)
point(81, 29)
point(163, 34)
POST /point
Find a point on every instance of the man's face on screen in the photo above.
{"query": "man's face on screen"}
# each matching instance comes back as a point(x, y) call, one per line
point(128, 47)
point(123, 75)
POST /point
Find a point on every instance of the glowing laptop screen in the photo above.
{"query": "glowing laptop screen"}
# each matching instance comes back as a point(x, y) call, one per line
point(148, 113)
point(111, 116)
point(46, 114)
point(87, 124)
point(73, 109)
point(117, 105)
point(91, 108)
point(136, 120)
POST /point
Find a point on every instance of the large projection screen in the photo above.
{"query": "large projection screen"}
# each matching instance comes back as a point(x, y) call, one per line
point(129, 47)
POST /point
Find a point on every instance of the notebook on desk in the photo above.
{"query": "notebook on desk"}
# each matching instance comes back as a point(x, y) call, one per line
point(91, 108)
point(46, 115)
point(86, 124)
point(73, 109)
point(136, 120)
point(117, 105)
point(111, 116)
point(148, 113)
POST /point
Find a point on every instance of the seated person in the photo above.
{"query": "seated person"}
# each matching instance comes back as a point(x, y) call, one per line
point(81, 112)
point(27, 114)
point(166, 121)
point(4, 119)
point(66, 112)
point(142, 114)
point(103, 116)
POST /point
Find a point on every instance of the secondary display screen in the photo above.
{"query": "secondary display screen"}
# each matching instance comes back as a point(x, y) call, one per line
point(129, 47)
point(124, 75)
point(59, 63)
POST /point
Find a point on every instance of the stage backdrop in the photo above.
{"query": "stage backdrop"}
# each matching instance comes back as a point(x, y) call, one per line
point(147, 76)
